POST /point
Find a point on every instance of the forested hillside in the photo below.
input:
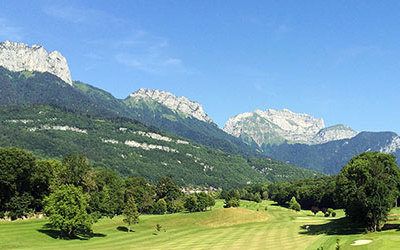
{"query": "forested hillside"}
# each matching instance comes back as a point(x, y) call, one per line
point(19, 88)
point(131, 148)
point(332, 156)
point(155, 114)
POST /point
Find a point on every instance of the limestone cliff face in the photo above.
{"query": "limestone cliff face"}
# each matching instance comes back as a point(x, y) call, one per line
point(278, 126)
point(180, 105)
point(393, 146)
point(20, 57)
point(333, 133)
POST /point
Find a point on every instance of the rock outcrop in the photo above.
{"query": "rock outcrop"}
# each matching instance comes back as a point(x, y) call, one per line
point(393, 146)
point(278, 126)
point(20, 57)
point(333, 133)
point(180, 105)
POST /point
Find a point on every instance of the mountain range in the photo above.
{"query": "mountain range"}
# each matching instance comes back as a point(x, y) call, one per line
point(32, 78)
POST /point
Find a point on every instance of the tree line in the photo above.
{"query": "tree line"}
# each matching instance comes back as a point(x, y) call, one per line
point(367, 188)
point(74, 194)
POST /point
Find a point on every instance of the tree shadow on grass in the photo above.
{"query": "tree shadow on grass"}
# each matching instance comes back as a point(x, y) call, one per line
point(122, 229)
point(56, 234)
point(340, 226)
point(389, 226)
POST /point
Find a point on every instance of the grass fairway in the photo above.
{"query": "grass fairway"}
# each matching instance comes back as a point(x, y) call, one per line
point(236, 228)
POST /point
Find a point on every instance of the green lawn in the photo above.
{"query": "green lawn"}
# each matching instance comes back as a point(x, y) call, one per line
point(236, 228)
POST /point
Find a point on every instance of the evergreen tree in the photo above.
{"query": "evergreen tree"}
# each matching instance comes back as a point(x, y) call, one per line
point(131, 213)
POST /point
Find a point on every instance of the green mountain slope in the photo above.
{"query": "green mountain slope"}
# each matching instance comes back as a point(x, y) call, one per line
point(330, 157)
point(155, 114)
point(25, 88)
point(130, 148)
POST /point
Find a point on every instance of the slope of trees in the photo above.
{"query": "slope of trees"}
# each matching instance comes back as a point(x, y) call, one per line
point(330, 157)
point(103, 142)
point(19, 88)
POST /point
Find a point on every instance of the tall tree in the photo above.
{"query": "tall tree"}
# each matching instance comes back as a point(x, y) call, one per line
point(107, 193)
point(77, 167)
point(143, 193)
point(168, 189)
point(368, 188)
point(130, 212)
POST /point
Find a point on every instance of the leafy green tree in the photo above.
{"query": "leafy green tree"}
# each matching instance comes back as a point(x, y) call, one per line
point(316, 192)
point(143, 193)
point(77, 167)
point(167, 189)
point(107, 193)
point(16, 168)
point(202, 201)
point(294, 205)
point(131, 213)
point(232, 202)
point(368, 188)
point(67, 211)
point(191, 203)
point(257, 197)
point(206, 201)
point(175, 206)
point(160, 207)
point(210, 201)
point(20, 205)
point(43, 179)
point(265, 195)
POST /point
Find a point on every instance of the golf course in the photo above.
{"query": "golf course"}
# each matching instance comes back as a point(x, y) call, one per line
point(250, 226)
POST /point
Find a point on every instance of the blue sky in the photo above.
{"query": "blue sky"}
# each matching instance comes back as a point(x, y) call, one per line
point(339, 60)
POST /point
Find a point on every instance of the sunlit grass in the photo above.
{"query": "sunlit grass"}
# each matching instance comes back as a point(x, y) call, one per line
point(248, 227)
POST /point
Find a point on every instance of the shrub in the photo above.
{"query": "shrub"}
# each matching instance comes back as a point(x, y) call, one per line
point(294, 205)
point(328, 212)
point(175, 206)
point(314, 210)
point(233, 202)
point(265, 195)
point(257, 198)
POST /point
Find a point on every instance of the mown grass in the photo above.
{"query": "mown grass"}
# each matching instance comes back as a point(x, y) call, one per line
point(248, 227)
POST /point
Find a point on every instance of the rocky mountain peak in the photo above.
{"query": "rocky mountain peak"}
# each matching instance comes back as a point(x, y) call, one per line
point(178, 104)
point(19, 57)
point(333, 133)
point(277, 126)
